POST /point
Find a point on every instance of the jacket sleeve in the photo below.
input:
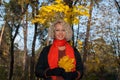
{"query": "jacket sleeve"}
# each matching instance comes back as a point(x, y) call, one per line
point(79, 63)
point(42, 63)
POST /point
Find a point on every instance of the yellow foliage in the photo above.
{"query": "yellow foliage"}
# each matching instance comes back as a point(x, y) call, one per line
point(59, 10)
point(4, 53)
point(93, 65)
point(22, 2)
point(66, 63)
point(57, 1)
point(80, 42)
point(80, 45)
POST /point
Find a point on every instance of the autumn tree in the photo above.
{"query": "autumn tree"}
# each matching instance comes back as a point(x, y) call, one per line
point(24, 6)
point(4, 53)
point(60, 9)
point(13, 19)
point(34, 6)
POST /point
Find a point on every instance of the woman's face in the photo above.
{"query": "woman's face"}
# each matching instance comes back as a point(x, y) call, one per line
point(59, 32)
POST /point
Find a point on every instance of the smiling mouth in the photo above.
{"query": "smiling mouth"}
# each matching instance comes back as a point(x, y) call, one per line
point(60, 36)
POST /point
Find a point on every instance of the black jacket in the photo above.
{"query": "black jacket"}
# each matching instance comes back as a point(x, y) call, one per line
point(42, 63)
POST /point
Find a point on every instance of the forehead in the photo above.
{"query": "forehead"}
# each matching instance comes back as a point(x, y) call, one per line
point(59, 26)
point(59, 22)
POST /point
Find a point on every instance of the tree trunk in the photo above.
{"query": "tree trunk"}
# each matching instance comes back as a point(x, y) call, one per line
point(87, 33)
point(25, 59)
point(77, 33)
point(2, 34)
point(32, 60)
point(12, 39)
point(11, 60)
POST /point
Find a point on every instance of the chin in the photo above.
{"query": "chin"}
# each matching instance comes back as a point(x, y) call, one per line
point(60, 38)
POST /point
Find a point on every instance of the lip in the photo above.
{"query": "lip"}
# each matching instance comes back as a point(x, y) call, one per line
point(60, 37)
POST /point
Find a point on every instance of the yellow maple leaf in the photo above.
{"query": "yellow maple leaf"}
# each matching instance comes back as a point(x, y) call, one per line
point(66, 63)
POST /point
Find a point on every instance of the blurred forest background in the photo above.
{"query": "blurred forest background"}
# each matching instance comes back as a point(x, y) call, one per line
point(96, 36)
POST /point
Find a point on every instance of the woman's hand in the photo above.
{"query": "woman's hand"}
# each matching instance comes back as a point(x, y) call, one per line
point(55, 72)
point(70, 75)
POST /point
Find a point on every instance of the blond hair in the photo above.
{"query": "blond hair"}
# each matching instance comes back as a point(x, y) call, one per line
point(65, 25)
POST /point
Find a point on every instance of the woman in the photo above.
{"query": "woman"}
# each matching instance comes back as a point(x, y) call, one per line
point(48, 65)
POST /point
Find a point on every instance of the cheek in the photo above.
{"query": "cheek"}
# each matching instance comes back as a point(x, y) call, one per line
point(55, 35)
point(64, 33)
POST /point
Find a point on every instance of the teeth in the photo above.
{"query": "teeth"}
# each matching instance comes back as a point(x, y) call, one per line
point(60, 36)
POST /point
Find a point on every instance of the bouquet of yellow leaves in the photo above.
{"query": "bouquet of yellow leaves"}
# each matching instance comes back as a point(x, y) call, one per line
point(66, 63)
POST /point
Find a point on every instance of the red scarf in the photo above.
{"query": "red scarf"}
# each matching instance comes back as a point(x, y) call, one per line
point(53, 53)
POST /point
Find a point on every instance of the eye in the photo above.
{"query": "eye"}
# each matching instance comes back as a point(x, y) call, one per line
point(63, 30)
point(56, 30)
